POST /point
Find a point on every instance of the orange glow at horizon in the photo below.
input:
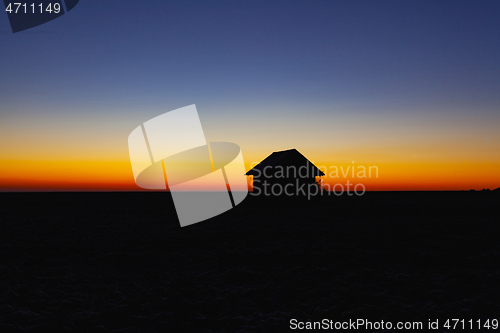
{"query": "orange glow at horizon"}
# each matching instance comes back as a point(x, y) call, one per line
point(116, 175)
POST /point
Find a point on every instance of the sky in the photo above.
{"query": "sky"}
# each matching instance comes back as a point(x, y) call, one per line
point(409, 87)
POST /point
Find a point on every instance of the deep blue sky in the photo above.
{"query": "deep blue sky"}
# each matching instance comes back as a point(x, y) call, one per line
point(357, 52)
point(286, 70)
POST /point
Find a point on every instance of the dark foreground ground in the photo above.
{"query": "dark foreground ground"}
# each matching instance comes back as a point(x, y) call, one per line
point(100, 262)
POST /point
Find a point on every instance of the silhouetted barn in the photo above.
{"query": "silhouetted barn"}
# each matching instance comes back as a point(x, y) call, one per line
point(288, 168)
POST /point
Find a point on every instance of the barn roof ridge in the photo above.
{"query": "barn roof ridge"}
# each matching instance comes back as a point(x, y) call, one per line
point(274, 158)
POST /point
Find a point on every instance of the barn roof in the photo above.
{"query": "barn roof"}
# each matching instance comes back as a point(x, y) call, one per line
point(291, 157)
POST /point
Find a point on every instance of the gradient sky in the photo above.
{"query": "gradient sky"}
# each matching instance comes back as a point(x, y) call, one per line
point(410, 87)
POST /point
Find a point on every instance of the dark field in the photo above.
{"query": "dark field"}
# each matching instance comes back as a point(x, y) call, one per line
point(100, 262)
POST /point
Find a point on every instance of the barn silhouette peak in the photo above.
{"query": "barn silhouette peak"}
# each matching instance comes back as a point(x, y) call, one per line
point(285, 167)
